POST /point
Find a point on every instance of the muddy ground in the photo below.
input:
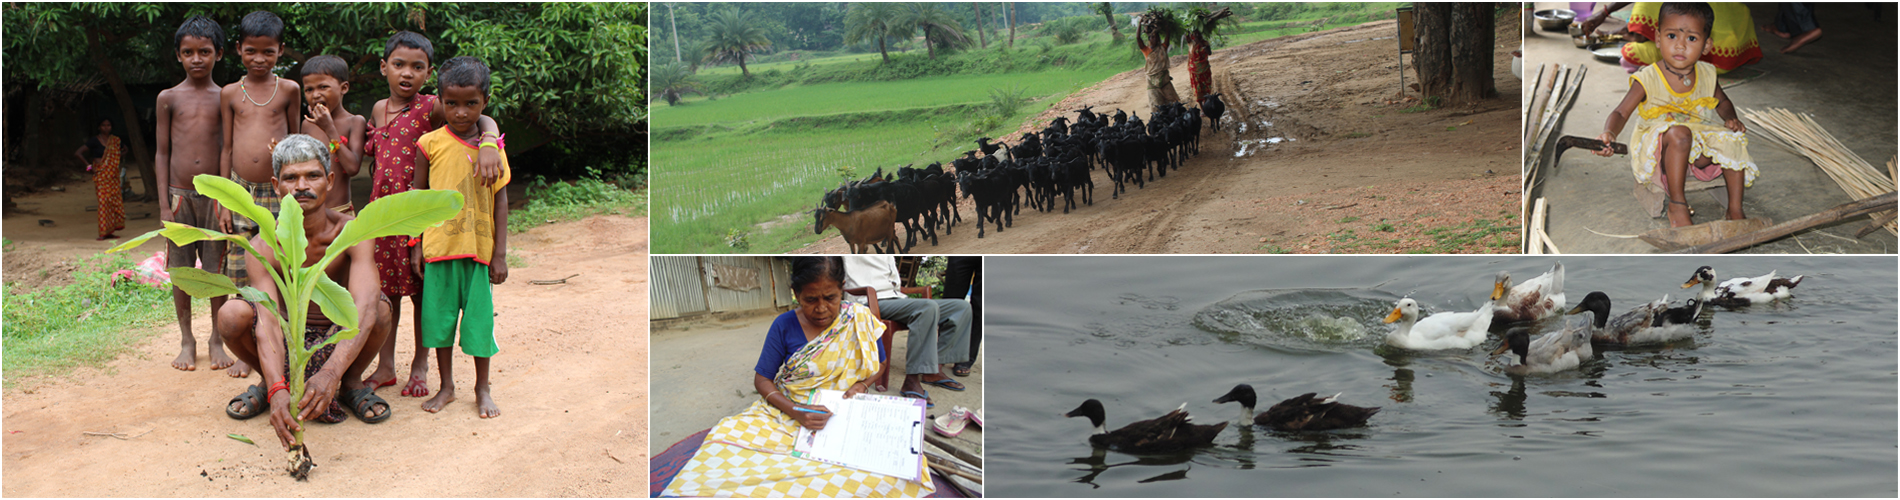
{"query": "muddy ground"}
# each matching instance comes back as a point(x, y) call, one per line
point(570, 381)
point(1348, 159)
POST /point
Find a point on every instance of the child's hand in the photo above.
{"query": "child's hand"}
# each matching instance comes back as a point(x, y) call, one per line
point(223, 217)
point(1736, 125)
point(498, 270)
point(320, 118)
point(1607, 150)
point(488, 166)
point(415, 260)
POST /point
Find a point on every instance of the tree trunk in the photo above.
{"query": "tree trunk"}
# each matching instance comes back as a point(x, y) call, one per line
point(1432, 57)
point(676, 32)
point(1473, 35)
point(1012, 24)
point(1115, 30)
point(743, 73)
point(978, 7)
point(929, 48)
point(881, 51)
point(131, 115)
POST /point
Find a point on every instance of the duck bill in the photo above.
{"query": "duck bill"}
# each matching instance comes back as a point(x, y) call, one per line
point(1497, 291)
point(1577, 310)
point(1692, 282)
point(1394, 317)
point(1506, 347)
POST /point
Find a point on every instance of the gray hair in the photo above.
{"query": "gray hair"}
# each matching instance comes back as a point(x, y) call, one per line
point(298, 148)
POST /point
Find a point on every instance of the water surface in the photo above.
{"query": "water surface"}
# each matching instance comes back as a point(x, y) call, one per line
point(1793, 399)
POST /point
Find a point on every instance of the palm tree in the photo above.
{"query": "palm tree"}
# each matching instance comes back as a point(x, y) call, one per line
point(1201, 26)
point(674, 80)
point(734, 34)
point(1108, 12)
point(873, 20)
point(934, 21)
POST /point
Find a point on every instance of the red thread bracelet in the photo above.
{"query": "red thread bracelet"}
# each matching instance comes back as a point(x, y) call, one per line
point(274, 388)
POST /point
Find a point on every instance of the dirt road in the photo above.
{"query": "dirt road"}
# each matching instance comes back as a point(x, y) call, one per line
point(1331, 100)
point(571, 383)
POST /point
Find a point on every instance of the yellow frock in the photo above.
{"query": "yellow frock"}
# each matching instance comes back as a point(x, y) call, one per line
point(1663, 108)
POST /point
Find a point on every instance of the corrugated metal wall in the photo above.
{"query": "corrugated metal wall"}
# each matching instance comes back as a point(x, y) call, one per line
point(683, 285)
point(676, 289)
point(723, 299)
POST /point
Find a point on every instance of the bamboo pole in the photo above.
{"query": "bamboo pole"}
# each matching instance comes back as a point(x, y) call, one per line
point(1883, 202)
point(1801, 134)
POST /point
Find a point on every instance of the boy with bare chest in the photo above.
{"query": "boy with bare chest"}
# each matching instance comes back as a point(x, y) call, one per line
point(256, 110)
point(326, 79)
point(189, 142)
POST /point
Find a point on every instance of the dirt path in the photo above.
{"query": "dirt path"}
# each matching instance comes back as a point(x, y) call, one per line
point(1332, 94)
point(571, 382)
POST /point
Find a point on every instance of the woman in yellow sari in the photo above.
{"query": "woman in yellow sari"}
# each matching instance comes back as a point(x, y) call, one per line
point(1732, 42)
point(101, 156)
point(823, 344)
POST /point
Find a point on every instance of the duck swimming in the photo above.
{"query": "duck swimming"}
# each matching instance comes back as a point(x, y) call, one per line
point(1641, 325)
point(1691, 310)
point(1167, 433)
point(1534, 299)
point(1445, 330)
point(1302, 413)
point(1554, 352)
point(1741, 292)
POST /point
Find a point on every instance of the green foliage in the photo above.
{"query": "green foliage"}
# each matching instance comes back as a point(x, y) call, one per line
point(406, 213)
point(938, 25)
point(672, 81)
point(574, 200)
point(930, 275)
point(738, 239)
point(734, 34)
point(872, 21)
point(1006, 101)
point(88, 322)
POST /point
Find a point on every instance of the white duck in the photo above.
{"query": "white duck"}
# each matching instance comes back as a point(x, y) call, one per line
point(1741, 292)
point(1534, 299)
point(1445, 330)
point(1554, 352)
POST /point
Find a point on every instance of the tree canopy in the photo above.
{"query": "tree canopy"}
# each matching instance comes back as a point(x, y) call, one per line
point(561, 70)
point(732, 34)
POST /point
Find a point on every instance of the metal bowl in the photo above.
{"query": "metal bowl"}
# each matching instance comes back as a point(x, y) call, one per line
point(1609, 53)
point(1554, 19)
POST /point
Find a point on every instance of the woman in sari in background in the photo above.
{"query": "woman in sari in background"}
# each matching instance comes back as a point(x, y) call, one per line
point(101, 156)
point(825, 343)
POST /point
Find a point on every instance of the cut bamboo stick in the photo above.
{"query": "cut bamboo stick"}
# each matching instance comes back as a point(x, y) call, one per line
point(1802, 135)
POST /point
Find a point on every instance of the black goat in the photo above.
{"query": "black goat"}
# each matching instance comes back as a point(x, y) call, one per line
point(1214, 108)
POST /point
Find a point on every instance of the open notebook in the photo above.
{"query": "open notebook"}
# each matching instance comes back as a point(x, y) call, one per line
point(873, 433)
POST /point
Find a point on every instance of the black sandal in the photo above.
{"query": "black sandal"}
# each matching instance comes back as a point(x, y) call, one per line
point(255, 402)
point(361, 401)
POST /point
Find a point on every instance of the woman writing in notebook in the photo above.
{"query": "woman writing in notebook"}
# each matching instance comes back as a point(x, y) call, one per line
point(825, 343)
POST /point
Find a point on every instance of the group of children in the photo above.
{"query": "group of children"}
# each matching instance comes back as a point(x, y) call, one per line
point(418, 141)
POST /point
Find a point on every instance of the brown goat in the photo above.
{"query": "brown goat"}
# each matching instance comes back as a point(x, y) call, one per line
point(864, 229)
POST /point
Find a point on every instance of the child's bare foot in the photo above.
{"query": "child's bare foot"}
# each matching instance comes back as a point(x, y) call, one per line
point(187, 357)
point(1678, 213)
point(1770, 28)
point(486, 403)
point(220, 360)
point(1735, 213)
point(441, 399)
point(238, 370)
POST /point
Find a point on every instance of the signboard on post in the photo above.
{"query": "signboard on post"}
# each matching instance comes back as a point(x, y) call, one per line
point(1406, 42)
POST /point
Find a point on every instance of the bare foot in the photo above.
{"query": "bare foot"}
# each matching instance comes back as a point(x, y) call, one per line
point(1736, 213)
point(1679, 215)
point(1804, 39)
point(1771, 30)
point(238, 370)
point(187, 358)
point(220, 360)
point(441, 399)
point(486, 403)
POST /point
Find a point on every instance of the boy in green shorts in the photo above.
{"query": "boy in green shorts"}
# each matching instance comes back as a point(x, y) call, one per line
point(464, 257)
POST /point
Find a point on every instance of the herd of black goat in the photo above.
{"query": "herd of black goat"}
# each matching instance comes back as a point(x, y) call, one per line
point(1055, 162)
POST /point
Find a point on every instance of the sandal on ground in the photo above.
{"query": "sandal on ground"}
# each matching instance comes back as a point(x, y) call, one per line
point(960, 370)
point(362, 401)
point(373, 384)
point(976, 417)
point(921, 395)
point(255, 402)
point(946, 382)
point(951, 424)
point(416, 388)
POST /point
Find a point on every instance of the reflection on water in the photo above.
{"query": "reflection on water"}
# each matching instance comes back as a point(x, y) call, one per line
point(1728, 411)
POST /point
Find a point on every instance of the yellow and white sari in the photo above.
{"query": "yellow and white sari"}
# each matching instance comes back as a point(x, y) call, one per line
point(749, 454)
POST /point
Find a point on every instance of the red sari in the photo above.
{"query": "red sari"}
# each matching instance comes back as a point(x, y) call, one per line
point(105, 177)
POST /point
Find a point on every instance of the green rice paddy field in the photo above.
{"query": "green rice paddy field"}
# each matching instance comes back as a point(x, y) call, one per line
point(731, 165)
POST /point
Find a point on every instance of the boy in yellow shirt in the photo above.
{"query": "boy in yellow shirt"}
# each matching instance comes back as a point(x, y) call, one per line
point(464, 257)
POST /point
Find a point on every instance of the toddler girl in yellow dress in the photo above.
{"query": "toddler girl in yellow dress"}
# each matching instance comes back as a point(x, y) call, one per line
point(1688, 125)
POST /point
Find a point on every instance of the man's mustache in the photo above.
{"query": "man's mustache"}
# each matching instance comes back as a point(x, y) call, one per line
point(304, 194)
